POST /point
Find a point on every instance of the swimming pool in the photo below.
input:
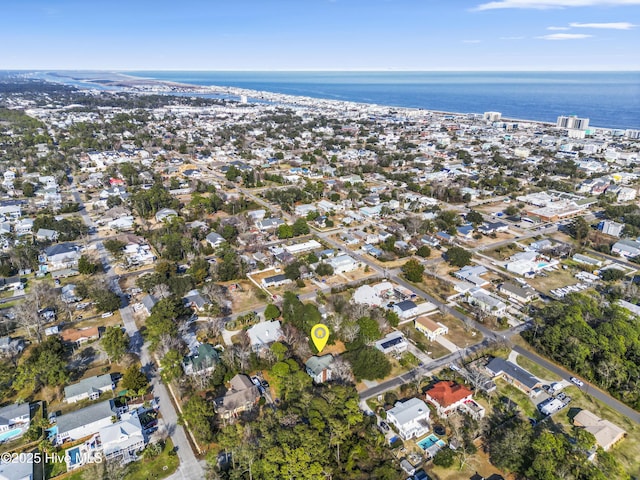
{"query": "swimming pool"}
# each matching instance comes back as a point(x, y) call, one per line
point(430, 441)
point(542, 264)
point(9, 434)
point(74, 455)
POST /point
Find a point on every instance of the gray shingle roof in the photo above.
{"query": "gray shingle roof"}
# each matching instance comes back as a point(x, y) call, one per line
point(498, 365)
point(88, 385)
point(90, 414)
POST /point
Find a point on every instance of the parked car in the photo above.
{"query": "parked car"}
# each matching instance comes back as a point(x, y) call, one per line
point(384, 426)
point(577, 381)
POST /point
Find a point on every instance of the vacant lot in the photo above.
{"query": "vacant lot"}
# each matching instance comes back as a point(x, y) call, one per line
point(535, 369)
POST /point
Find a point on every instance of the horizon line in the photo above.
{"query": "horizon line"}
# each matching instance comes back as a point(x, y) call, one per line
point(384, 70)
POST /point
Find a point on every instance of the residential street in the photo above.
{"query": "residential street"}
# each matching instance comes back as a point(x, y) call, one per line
point(190, 467)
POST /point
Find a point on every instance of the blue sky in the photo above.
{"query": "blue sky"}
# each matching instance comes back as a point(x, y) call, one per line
point(321, 34)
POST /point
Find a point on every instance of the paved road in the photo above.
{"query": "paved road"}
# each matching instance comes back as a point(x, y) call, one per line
point(421, 371)
point(190, 467)
point(588, 388)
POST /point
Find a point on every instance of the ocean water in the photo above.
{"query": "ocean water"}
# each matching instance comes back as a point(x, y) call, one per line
point(609, 99)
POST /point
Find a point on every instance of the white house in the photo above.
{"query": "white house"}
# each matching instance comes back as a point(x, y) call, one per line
point(343, 264)
point(122, 439)
point(15, 418)
point(486, 302)
point(214, 239)
point(85, 422)
point(393, 342)
point(165, 213)
point(411, 418)
point(62, 255)
point(90, 388)
point(264, 334)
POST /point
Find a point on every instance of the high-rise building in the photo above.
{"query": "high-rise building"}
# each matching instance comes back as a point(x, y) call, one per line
point(572, 122)
point(492, 116)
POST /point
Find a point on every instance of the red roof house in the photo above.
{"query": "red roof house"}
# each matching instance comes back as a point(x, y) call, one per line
point(448, 396)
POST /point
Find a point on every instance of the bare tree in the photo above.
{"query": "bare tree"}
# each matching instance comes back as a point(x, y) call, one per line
point(350, 331)
point(341, 370)
point(161, 291)
point(168, 342)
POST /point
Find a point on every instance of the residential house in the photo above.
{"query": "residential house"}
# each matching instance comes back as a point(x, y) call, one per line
point(275, 281)
point(214, 239)
point(241, 396)
point(24, 227)
point(517, 292)
point(393, 342)
point(10, 345)
point(513, 374)
point(203, 361)
point(488, 228)
point(86, 421)
point(123, 439)
point(487, 302)
point(194, 299)
point(46, 235)
point(373, 295)
point(165, 213)
point(148, 302)
point(268, 224)
point(17, 468)
point(11, 283)
point(448, 397)
point(15, 419)
point(61, 256)
point(606, 433)
point(472, 275)
point(406, 309)
point(68, 293)
point(304, 210)
point(343, 263)
point(263, 334)
point(319, 367)
point(430, 328)
point(411, 418)
point(78, 336)
point(123, 223)
point(90, 388)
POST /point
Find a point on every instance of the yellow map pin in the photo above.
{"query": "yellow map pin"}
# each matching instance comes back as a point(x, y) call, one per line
point(319, 335)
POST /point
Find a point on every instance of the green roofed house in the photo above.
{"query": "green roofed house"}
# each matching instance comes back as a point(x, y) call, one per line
point(204, 360)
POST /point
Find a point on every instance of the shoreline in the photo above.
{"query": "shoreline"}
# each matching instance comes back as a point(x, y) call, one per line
point(144, 85)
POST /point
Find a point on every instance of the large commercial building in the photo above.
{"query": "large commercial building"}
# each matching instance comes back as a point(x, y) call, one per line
point(572, 122)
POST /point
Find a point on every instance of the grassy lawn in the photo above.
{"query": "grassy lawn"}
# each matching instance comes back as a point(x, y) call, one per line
point(58, 468)
point(157, 467)
point(626, 451)
point(532, 367)
point(435, 287)
point(477, 463)
point(433, 349)
point(517, 396)
point(554, 279)
point(458, 333)
point(248, 298)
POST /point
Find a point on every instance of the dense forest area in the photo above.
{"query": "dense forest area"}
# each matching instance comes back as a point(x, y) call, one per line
point(597, 340)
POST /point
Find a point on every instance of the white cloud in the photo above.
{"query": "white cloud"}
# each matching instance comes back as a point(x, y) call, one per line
point(470, 41)
point(565, 36)
point(545, 4)
point(558, 28)
point(611, 25)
